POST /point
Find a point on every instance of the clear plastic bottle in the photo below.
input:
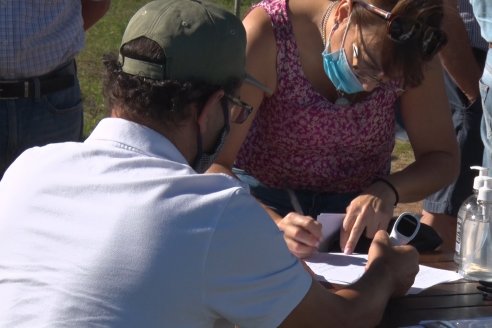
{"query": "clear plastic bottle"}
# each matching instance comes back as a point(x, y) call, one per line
point(470, 205)
point(476, 262)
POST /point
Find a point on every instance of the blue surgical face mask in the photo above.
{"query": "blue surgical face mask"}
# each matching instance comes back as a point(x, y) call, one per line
point(338, 69)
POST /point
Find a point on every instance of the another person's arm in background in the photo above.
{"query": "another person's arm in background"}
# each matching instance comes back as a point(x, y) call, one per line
point(93, 10)
point(457, 56)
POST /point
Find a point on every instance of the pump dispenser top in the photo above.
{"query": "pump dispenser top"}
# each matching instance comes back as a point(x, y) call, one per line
point(485, 191)
point(482, 175)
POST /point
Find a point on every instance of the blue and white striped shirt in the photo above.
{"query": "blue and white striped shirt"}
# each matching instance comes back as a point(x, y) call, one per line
point(37, 36)
point(483, 13)
point(472, 27)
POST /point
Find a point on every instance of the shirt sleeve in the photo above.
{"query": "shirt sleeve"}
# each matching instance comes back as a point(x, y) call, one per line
point(252, 280)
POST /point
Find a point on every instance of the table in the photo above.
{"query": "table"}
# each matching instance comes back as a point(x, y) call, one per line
point(454, 300)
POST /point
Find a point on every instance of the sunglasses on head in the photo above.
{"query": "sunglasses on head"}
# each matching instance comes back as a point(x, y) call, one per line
point(240, 110)
point(401, 29)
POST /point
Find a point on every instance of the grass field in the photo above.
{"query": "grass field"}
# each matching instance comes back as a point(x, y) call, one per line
point(105, 37)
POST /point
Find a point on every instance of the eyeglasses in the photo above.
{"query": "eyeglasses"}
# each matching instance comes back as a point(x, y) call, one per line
point(401, 29)
point(240, 110)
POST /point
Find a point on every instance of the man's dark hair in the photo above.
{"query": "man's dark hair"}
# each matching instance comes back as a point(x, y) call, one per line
point(143, 98)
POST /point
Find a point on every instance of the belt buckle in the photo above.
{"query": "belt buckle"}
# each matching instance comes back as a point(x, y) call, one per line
point(26, 89)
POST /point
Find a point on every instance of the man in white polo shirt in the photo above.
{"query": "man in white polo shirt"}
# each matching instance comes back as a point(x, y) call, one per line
point(123, 230)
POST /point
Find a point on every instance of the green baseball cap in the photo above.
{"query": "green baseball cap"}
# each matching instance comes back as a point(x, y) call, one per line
point(201, 42)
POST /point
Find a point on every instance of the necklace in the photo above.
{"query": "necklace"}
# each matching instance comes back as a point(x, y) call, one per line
point(324, 20)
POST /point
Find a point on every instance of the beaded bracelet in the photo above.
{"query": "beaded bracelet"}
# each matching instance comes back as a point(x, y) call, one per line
point(389, 184)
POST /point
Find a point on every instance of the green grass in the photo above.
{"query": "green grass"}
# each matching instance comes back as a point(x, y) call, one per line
point(105, 37)
point(402, 155)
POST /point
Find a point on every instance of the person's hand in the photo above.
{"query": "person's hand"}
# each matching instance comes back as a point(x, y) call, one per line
point(370, 211)
point(402, 262)
point(302, 234)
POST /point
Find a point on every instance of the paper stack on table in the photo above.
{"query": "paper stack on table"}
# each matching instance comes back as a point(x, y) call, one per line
point(342, 269)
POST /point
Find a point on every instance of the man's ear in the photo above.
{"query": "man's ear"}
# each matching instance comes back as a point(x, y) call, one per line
point(208, 109)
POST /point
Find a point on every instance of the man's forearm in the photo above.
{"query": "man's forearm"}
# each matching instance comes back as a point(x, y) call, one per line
point(369, 295)
point(359, 305)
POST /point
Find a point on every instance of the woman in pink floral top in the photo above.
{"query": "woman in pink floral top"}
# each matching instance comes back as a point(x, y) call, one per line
point(324, 137)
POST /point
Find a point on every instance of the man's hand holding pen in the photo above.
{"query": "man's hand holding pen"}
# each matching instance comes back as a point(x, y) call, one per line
point(301, 233)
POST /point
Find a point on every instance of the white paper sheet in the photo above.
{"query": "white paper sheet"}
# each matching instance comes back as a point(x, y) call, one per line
point(342, 269)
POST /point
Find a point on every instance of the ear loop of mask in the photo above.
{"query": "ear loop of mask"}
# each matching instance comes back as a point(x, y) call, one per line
point(348, 69)
point(328, 45)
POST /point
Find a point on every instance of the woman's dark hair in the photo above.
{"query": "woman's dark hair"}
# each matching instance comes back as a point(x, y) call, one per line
point(162, 101)
point(404, 60)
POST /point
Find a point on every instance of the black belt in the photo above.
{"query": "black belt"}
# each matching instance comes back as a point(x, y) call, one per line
point(49, 83)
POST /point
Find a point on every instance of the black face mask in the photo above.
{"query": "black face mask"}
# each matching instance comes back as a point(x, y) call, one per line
point(204, 160)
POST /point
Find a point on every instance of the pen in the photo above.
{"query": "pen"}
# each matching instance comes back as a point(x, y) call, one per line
point(295, 202)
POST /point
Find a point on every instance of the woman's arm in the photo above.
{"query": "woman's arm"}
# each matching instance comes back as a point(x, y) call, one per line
point(261, 52)
point(458, 51)
point(427, 118)
point(302, 234)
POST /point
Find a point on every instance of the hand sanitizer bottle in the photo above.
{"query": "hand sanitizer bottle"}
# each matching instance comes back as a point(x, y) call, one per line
point(476, 263)
point(470, 205)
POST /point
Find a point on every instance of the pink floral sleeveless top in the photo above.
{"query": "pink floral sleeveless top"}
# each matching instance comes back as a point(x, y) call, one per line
point(303, 141)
